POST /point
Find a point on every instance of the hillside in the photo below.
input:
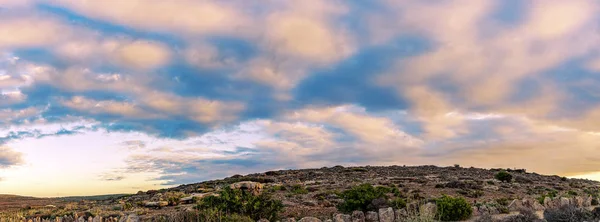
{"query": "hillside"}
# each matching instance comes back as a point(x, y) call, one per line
point(315, 192)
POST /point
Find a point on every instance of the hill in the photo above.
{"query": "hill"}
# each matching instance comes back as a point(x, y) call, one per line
point(316, 192)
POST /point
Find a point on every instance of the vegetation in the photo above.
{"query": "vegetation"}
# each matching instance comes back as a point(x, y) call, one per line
point(231, 202)
point(567, 213)
point(398, 203)
point(360, 198)
point(453, 209)
point(503, 176)
point(299, 189)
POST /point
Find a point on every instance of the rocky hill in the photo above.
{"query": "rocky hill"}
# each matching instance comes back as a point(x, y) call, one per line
point(316, 192)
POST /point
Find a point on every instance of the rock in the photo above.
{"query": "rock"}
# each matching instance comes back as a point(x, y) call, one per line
point(81, 219)
point(263, 220)
point(578, 201)
point(371, 216)
point(252, 187)
point(400, 215)
point(386, 214)
point(328, 220)
point(476, 211)
point(358, 216)
point(309, 203)
point(515, 205)
point(156, 204)
point(290, 219)
point(563, 201)
point(428, 209)
point(588, 201)
point(310, 219)
point(132, 218)
point(547, 201)
point(97, 219)
point(342, 218)
point(379, 203)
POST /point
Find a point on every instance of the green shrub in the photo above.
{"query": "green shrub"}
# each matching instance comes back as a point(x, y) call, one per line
point(594, 202)
point(503, 176)
point(299, 189)
point(359, 198)
point(453, 209)
point(398, 203)
point(243, 203)
point(571, 193)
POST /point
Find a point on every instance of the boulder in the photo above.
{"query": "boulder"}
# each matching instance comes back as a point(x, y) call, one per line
point(358, 216)
point(515, 205)
point(386, 214)
point(371, 216)
point(428, 209)
point(342, 218)
point(588, 201)
point(563, 201)
point(328, 220)
point(400, 215)
point(547, 202)
point(578, 201)
point(157, 204)
point(252, 187)
point(310, 219)
point(132, 218)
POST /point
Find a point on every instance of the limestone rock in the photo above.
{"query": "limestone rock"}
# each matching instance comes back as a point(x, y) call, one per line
point(253, 187)
point(547, 201)
point(156, 204)
point(386, 214)
point(371, 216)
point(563, 201)
point(342, 218)
point(515, 205)
point(132, 218)
point(428, 209)
point(400, 215)
point(358, 216)
point(310, 219)
point(588, 201)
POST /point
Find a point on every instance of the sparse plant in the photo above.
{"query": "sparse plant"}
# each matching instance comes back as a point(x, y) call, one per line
point(453, 208)
point(567, 213)
point(503, 176)
point(299, 189)
point(398, 203)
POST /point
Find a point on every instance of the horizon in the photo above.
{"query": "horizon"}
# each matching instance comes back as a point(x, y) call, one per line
point(101, 97)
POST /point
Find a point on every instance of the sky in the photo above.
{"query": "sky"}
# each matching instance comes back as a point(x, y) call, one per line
point(101, 97)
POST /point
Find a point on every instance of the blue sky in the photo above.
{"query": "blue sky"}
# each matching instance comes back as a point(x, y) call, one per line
point(110, 97)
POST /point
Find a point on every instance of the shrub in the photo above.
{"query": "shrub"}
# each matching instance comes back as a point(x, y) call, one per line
point(567, 213)
point(563, 178)
point(206, 215)
point(299, 189)
point(453, 209)
point(523, 216)
point(572, 193)
point(503, 176)
point(232, 201)
point(398, 203)
point(594, 202)
point(359, 198)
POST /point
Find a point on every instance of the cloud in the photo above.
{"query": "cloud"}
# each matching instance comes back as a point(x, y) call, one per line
point(190, 17)
point(9, 157)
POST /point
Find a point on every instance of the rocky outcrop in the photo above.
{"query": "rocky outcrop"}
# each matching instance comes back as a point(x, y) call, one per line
point(358, 216)
point(252, 187)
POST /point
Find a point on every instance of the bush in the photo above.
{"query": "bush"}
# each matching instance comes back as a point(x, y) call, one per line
point(299, 189)
point(360, 198)
point(567, 213)
point(594, 202)
point(206, 215)
point(453, 209)
point(398, 203)
point(571, 193)
point(503, 176)
point(523, 216)
point(232, 201)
